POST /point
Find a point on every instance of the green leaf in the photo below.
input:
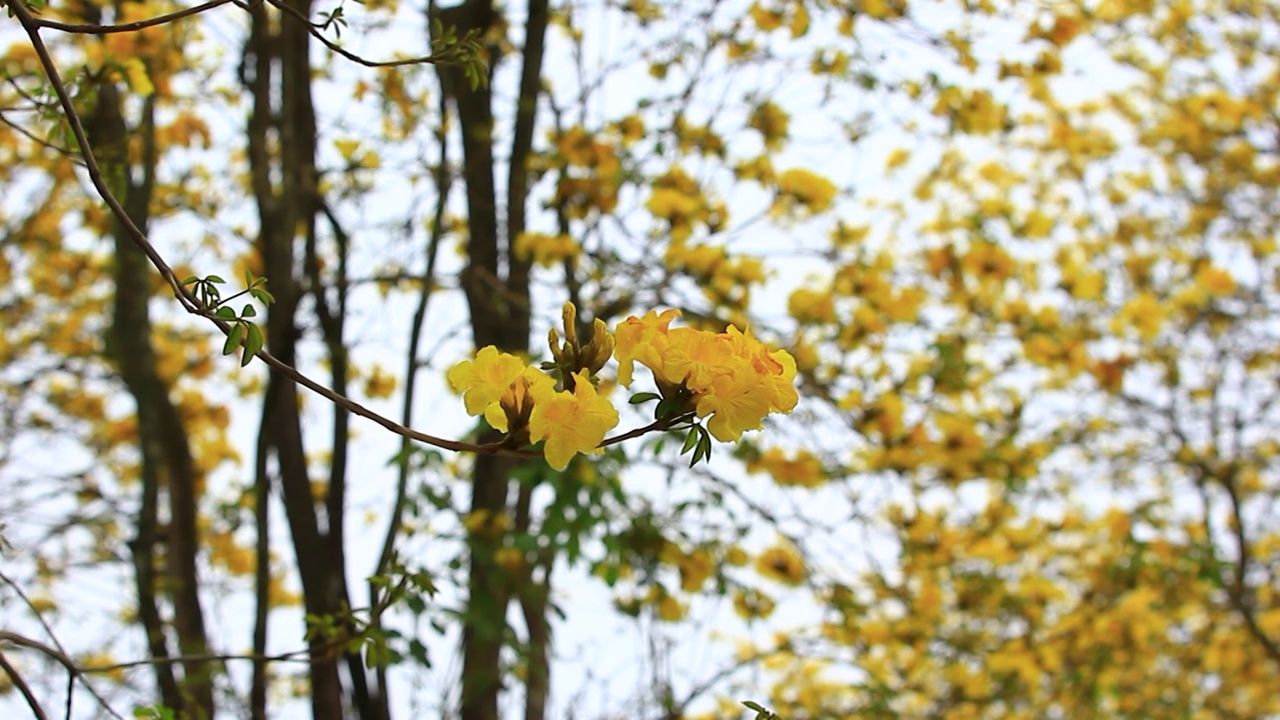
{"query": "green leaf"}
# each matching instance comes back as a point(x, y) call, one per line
point(704, 449)
point(225, 313)
point(690, 440)
point(644, 397)
point(215, 279)
point(761, 712)
point(252, 344)
point(375, 653)
point(262, 295)
point(248, 311)
point(233, 339)
point(666, 407)
point(189, 280)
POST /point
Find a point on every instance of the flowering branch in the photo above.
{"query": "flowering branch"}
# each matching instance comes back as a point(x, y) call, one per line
point(32, 26)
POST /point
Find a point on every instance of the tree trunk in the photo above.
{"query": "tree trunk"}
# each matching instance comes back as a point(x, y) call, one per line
point(166, 453)
point(496, 284)
point(277, 64)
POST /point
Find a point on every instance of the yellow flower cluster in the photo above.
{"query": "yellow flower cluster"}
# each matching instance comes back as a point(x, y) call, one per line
point(799, 189)
point(591, 173)
point(521, 400)
point(772, 123)
point(546, 250)
point(731, 377)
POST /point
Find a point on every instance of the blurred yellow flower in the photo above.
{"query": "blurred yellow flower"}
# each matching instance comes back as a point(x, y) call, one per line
point(1215, 281)
point(808, 190)
point(752, 605)
point(694, 568)
point(486, 523)
point(772, 122)
point(783, 564)
point(803, 470)
point(379, 384)
point(546, 250)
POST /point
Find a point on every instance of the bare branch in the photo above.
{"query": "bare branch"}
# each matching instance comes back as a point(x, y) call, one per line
point(449, 55)
point(62, 659)
point(88, 29)
point(23, 688)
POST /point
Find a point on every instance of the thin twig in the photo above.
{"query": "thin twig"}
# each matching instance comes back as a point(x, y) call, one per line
point(38, 140)
point(62, 659)
point(88, 29)
point(431, 59)
point(48, 629)
point(23, 688)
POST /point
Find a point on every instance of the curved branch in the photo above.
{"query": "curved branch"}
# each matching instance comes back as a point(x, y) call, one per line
point(449, 55)
point(48, 629)
point(23, 688)
point(62, 659)
point(655, 426)
point(89, 29)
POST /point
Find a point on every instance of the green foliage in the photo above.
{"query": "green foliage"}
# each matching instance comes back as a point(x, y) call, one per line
point(154, 712)
point(244, 333)
point(760, 711)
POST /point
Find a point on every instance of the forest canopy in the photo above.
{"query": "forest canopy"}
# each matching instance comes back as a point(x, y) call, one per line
point(639, 359)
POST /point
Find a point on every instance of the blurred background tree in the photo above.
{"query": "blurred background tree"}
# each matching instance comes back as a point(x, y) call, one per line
point(1023, 255)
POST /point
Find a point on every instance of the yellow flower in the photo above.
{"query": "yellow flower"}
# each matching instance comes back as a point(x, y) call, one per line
point(1215, 281)
point(486, 523)
point(807, 189)
point(897, 159)
point(804, 470)
point(483, 381)
point(736, 402)
point(730, 376)
point(759, 168)
point(631, 128)
point(380, 383)
point(636, 338)
point(1143, 313)
point(988, 261)
point(571, 422)
point(510, 559)
point(694, 568)
point(694, 358)
point(546, 250)
point(772, 122)
point(668, 608)
point(764, 19)
point(513, 410)
point(752, 605)
point(783, 564)
point(777, 372)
